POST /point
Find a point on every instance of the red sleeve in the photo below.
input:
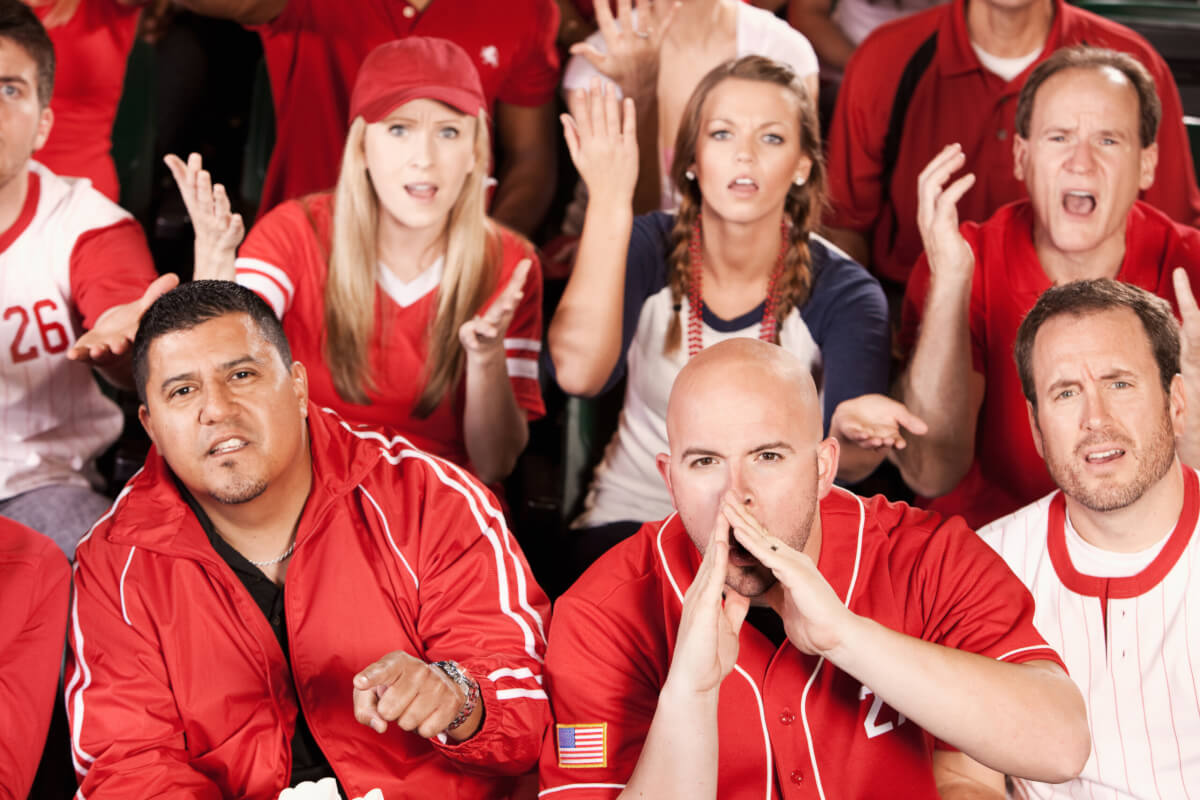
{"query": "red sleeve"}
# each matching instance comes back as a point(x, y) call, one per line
point(968, 598)
point(35, 584)
point(1174, 191)
point(917, 291)
point(855, 145)
point(601, 684)
point(481, 607)
point(110, 266)
point(127, 739)
point(523, 340)
point(534, 79)
point(278, 248)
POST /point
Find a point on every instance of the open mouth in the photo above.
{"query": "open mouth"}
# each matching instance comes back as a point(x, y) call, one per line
point(739, 556)
point(1104, 456)
point(421, 191)
point(1079, 202)
point(743, 185)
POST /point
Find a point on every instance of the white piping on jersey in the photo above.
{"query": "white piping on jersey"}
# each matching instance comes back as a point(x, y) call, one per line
point(812, 753)
point(521, 368)
point(128, 561)
point(80, 758)
point(533, 345)
point(663, 556)
point(278, 284)
point(545, 792)
point(1023, 650)
point(508, 672)
point(388, 532)
point(513, 694)
point(475, 500)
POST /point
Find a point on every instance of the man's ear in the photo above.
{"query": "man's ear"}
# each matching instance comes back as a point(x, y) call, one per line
point(1177, 405)
point(144, 418)
point(1020, 155)
point(45, 123)
point(299, 379)
point(1149, 163)
point(828, 453)
point(1035, 430)
point(663, 462)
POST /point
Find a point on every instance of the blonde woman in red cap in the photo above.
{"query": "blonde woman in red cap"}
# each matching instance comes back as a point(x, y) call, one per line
point(448, 356)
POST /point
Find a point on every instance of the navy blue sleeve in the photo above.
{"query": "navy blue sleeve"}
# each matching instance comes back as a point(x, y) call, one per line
point(847, 315)
point(645, 276)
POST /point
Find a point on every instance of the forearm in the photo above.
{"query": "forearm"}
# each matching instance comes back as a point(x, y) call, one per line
point(680, 755)
point(647, 196)
point(585, 333)
point(524, 191)
point(936, 387)
point(1021, 719)
point(494, 427)
point(832, 46)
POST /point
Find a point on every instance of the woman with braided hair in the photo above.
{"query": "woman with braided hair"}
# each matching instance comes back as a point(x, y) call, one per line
point(739, 258)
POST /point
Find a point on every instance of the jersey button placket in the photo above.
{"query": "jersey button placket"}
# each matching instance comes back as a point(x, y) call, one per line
point(786, 717)
point(796, 777)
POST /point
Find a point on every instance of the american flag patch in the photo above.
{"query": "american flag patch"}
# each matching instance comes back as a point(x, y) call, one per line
point(583, 745)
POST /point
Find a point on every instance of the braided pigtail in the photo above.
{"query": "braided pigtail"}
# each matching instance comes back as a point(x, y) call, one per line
point(679, 264)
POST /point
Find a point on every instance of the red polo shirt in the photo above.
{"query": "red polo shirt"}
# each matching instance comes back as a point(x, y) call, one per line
point(314, 48)
point(958, 100)
point(1008, 473)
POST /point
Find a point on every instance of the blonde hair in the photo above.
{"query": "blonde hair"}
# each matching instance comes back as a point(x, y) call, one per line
point(802, 208)
point(61, 10)
point(473, 252)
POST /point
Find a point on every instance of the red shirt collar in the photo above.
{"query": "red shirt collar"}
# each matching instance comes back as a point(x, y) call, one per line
point(32, 194)
point(1133, 585)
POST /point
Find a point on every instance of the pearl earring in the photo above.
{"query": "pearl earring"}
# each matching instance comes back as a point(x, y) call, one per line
point(799, 181)
point(691, 176)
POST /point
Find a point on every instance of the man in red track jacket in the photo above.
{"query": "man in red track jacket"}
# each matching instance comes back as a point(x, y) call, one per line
point(280, 596)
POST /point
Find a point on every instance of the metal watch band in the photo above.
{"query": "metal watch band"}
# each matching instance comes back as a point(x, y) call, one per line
point(456, 674)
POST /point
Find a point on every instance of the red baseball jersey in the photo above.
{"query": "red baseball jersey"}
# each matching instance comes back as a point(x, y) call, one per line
point(35, 585)
point(1130, 640)
point(92, 48)
point(71, 255)
point(955, 99)
point(314, 48)
point(791, 725)
point(284, 260)
point(1008, 472)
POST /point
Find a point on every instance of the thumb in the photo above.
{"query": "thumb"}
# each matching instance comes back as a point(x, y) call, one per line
point(160, 286)
point(910, 420)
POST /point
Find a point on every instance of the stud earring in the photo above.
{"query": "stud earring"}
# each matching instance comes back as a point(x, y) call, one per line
point(691, 176)
point(799, 181)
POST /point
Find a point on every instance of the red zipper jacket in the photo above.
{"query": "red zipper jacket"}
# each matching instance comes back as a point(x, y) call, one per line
point(177, 686)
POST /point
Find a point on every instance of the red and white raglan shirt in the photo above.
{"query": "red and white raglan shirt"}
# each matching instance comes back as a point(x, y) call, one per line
point(791, 725)
point(284, 259)
point(92, 49)
point(177, 685)
point(35, 585)
point(1007, 472)
point(1125, 627)
point(71, 255)
point(314, 48)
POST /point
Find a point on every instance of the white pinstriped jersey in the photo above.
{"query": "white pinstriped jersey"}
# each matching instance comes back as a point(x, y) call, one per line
point(53, 418)
point(1132, 645)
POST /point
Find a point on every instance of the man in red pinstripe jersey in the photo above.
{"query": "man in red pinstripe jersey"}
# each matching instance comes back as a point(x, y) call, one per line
point(1112, 556)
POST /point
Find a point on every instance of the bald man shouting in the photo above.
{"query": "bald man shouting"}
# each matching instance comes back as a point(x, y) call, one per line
point(830, 640)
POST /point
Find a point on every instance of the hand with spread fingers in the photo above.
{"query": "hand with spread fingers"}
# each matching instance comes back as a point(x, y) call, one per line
point(417, 696)
point(813, 615)
point(482, 336)
point(1189, 311)
point(875, 422)
point(601, 135)
point(707, 646)
point(631, 44)
point(937, 215)
point(217, 229)
point(112, 335)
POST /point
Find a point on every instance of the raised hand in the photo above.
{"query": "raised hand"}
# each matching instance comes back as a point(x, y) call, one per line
point(630, 55)
point(1189, 311)
point(937, 215)
point(111, 336)
point(601, 134)
point(483, 334)
point(707, 646)
point(812, 614)
point(875, 421)
point(403, 689)
point(218, 231)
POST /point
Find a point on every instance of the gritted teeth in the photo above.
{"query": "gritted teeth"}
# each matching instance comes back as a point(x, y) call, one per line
point(1104, 455)
point(227, 446)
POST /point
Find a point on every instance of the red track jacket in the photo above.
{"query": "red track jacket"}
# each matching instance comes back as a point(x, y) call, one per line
point(176, 685)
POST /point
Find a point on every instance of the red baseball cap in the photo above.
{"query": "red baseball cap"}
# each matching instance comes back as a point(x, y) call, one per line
point(413, 68)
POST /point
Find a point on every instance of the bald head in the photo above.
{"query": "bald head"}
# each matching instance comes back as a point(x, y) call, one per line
point(722, 378)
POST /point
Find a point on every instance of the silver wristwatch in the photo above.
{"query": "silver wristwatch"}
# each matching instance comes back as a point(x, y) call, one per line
point(470, 687)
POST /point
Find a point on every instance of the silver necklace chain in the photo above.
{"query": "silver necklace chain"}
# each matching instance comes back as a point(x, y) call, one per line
point(273, 561)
